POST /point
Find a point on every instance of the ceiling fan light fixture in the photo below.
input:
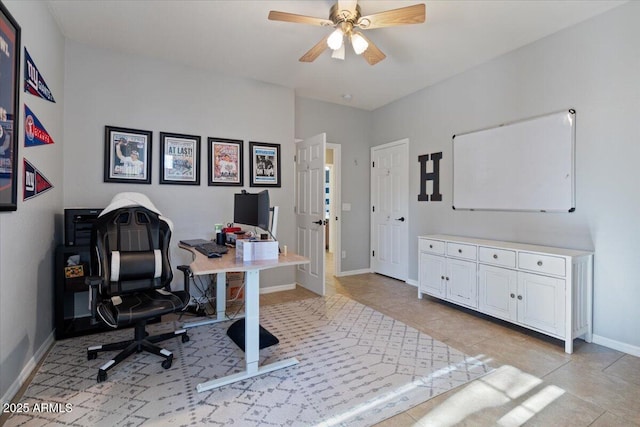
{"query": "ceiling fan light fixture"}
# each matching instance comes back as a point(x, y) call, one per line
point(359, 43)
point(339, 53)
point(335, 40)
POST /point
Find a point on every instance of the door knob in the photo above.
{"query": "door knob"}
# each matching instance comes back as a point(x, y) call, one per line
point(401, 219)
point(319, 222)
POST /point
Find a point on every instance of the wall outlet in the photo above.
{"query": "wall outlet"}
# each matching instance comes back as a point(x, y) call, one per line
point(344, 254)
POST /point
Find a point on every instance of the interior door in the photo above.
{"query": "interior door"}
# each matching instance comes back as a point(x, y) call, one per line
point(310, 211)
point(389, 209)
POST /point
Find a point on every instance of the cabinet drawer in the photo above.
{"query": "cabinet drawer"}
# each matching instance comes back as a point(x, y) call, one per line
point(545, 264)
point(460, 250)
point(501, 257)
point(431, 246)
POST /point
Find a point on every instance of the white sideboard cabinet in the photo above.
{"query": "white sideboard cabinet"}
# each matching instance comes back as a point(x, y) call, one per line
point(542, 288)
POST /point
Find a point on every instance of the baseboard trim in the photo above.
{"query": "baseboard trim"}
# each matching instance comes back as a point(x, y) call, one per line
point(277, 288)
point(28, 368)
point(412, 282)
point(617, 345)
point(353, 272)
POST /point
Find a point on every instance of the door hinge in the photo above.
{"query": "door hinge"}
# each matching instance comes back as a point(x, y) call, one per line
point(373, 208)
point(373, 164)
point(295, 158)
point(373, 253)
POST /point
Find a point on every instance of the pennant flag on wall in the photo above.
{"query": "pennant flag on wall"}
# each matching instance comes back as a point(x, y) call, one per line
point(34, 182)
point(33, 81)
point(34, 133)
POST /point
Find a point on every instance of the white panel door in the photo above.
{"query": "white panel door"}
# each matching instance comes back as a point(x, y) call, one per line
point(310, 234)
point(389, 209)
point(497, 292)
point(432, 270)
point(541, 302)
point(461, 282)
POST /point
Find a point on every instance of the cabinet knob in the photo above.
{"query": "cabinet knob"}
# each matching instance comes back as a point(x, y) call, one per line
point(430, 246)
point(512, 295)
point(520, 297)
point(459, 251)
point(442, 277)
point(446, 278)
point(495, 256)
point(539, 263)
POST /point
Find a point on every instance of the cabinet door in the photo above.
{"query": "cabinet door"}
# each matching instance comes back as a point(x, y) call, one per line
point(432, 274)
point(461, 282)
point(541, 303)
point(497, 292)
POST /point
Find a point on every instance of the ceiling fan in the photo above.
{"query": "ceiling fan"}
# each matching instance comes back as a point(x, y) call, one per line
point(347, 20)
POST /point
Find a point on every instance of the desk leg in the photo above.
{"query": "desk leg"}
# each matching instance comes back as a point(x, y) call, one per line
point(252, 339)
point(252, 321)
point(221, 295)
point(221, 304)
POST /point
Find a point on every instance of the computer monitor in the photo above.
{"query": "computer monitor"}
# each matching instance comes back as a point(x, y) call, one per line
point(252, 209)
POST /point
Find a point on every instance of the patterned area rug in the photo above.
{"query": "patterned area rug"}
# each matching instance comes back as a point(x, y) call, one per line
point(357, 367)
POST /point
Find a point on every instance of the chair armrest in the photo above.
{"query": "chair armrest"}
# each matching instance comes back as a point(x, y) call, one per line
point(186, 271)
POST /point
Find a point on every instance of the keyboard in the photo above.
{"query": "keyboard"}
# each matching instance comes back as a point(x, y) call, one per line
point(212, 249)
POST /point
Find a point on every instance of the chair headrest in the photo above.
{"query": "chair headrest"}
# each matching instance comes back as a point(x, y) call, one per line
point(130, 199)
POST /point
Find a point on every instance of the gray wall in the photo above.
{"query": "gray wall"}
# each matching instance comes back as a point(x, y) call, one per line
point(592, 67)
point(28, 236)
point(349, 127)
point(107, 88)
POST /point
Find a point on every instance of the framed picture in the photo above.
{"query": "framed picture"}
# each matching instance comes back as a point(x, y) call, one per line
point(225, 162)
point(9, 112)
point(179, 159)
point(127, 155)
point(265, 164)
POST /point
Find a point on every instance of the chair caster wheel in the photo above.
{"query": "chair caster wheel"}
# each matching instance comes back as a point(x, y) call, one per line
point(102, 376)
point(166, 364)
point(92, 355)
point(185, 338)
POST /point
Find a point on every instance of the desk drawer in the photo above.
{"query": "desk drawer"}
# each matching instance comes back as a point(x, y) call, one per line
point(545, 264)
point(431, 246)
point(501, 257)
point(460, 250)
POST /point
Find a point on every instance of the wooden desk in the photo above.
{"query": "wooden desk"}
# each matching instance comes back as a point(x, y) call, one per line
point(202, 265)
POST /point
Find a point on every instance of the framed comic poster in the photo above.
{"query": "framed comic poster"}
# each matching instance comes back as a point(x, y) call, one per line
point(127, 155)
point(9, 112)
point(179, 159)
point(225, 161)
point(265, 164)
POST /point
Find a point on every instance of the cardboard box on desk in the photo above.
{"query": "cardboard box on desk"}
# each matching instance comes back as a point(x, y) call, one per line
point(255, 250)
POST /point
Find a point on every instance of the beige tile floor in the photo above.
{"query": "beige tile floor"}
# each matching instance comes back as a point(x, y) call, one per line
point(535, 383)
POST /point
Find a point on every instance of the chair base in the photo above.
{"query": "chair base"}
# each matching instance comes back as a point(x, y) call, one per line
point(141, 342)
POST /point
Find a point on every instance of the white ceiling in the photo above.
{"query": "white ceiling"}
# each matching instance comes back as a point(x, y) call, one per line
point(235, 37)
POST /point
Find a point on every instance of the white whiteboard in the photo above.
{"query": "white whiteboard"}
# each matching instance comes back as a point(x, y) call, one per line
point(524, 166)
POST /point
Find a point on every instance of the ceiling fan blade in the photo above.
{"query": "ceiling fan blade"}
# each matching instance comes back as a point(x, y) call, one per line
point(372, 55)
point(405, 15)
point(274, 15)
point(315, 51)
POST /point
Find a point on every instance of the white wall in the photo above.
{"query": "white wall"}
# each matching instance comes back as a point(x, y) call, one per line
point(349, 127)
point(28, 236)
point(592, 67)
point(108, 88)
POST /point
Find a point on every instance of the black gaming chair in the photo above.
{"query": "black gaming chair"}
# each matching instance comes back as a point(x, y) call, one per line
point(130, 278)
